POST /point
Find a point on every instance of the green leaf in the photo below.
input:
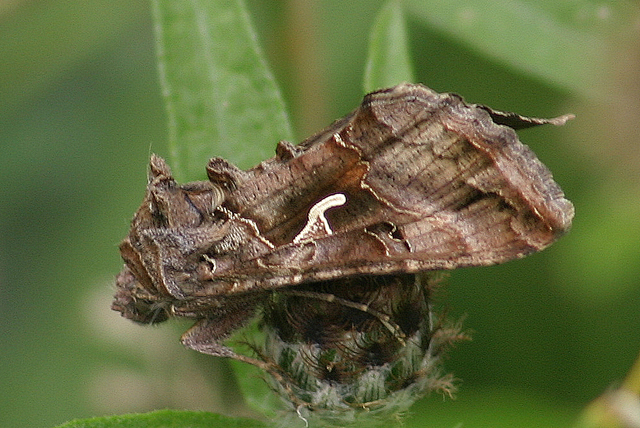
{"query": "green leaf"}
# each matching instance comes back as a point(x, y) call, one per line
point(165, 419)
point(389, 61)
point(257, 393)
point(221, 97)
point(565, 43)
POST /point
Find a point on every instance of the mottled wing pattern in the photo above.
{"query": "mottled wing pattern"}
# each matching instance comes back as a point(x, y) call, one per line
point(429, 182)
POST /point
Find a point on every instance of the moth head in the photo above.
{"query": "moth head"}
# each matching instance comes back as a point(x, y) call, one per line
point(166, 228)
point(134, 302)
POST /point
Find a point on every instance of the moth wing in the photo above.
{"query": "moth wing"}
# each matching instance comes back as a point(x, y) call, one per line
point(429, 182)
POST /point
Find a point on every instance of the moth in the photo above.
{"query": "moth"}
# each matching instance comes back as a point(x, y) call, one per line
point(410, 181)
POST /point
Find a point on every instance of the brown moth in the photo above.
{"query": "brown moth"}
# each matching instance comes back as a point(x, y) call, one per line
point(410, 181)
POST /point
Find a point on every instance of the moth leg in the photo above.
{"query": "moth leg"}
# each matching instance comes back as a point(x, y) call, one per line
point(205, 337)
point(384, 319)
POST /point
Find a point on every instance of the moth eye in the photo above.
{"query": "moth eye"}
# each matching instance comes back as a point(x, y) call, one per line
point(158, 315)
point(146, 311)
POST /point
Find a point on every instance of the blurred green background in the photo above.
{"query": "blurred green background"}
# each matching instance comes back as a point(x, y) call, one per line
point(81, 109)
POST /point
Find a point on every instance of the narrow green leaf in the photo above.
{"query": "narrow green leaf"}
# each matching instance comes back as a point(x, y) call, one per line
point(564, 43)
point(389, 61)
point(221, 97)
point(165, 419)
